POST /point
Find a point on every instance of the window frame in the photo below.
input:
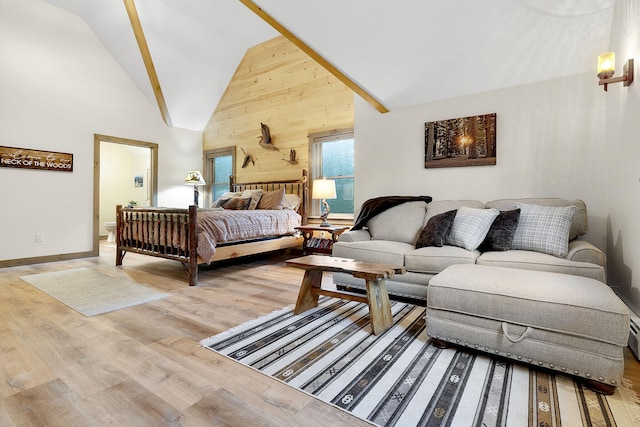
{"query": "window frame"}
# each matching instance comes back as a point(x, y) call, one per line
point(315, 166)
point(208, 161)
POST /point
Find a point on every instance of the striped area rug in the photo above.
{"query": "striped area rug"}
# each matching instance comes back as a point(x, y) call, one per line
point(400, 379)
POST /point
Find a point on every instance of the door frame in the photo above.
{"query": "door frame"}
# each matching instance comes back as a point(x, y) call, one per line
point(153, 185)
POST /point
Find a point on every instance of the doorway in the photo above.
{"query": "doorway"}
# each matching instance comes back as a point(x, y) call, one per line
point(129, 175)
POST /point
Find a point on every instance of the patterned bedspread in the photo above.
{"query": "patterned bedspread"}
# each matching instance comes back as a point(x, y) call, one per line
point(223, 226)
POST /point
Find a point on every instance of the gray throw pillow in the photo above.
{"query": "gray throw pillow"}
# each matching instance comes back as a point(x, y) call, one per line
point(436, 231)
point(544, 229)
point(471, 226)
point(500, 235)
point(401, 223)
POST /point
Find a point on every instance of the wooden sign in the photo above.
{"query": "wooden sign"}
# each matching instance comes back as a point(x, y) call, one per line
point(11, 157)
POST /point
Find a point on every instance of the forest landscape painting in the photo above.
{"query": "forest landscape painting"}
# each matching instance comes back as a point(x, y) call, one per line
point(465, 141)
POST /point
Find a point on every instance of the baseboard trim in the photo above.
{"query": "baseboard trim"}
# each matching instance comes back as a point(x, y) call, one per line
point(44, 259)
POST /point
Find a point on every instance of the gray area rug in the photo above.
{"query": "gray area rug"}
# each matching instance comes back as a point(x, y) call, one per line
point(91, 292)
point(400, 379)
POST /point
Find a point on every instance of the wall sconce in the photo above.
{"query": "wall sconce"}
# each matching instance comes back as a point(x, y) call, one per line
point(607, 68)
point(195, 178)
point(324, 189)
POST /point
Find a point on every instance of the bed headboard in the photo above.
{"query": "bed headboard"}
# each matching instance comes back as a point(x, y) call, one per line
point(299, 187)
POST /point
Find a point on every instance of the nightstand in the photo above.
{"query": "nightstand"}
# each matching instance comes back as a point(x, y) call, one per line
point(320, 245)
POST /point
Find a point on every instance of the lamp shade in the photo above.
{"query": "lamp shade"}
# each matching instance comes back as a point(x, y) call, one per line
point(194, 178)
point(606, 65)
point(324, 189)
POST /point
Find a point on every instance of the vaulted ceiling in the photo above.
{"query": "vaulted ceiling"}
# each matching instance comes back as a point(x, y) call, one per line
point(397, 53)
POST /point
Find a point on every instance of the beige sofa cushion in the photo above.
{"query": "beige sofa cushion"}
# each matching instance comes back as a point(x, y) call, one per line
point(580, 224)
point(433, 260)
point(401, 223)
point(529, 260)
point(380, 251)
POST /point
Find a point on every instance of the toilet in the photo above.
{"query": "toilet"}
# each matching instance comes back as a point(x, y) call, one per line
point(111, 228)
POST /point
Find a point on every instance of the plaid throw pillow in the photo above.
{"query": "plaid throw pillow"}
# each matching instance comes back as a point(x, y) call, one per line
point(544, 229)
point(470, 227)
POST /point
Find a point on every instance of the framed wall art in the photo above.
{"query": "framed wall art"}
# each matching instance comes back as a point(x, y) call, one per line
point(466, 141)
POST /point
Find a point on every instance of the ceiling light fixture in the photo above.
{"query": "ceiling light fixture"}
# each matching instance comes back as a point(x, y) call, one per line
point(607, 68)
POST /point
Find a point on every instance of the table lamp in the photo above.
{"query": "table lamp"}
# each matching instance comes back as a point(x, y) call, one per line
point(195, 178)
point(324, 189)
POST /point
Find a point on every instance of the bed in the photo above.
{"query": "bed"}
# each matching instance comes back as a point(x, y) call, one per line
point(197, 236)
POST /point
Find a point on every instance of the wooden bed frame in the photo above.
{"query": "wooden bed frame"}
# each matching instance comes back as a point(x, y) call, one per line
point(180, 226)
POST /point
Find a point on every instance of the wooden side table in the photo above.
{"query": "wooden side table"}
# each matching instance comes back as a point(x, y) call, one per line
point(320, 245)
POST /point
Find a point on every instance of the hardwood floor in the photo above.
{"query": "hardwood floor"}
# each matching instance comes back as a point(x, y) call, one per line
point(143, 365)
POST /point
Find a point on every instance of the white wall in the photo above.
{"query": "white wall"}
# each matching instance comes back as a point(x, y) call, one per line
point(550, 143)
point(59, 86)
point(623, 158)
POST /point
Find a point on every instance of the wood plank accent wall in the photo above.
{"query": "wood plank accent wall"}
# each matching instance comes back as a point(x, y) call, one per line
point(279, 85)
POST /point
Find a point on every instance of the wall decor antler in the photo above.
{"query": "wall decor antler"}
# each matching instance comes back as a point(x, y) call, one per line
point(266, 140)
point(247, 159)
point(292, 157)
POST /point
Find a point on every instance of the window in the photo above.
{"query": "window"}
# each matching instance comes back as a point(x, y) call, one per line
point(218, 167)
point(331, 157)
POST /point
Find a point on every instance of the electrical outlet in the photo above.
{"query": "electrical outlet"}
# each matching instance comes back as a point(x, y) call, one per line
point(39, 237)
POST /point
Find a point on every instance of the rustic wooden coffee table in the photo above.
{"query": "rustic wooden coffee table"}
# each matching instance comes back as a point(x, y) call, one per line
point(373, 274)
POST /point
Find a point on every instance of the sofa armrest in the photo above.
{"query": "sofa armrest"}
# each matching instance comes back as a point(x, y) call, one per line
point(355, 236)
point(583, 251)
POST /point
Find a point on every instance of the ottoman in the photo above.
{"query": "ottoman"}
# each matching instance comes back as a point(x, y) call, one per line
point(572, 324)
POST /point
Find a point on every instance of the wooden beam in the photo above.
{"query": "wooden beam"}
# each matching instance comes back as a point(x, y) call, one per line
point(146, 57)
point(315, 56)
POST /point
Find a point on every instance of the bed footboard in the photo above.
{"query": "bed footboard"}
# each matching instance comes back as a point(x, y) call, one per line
point(159, 232)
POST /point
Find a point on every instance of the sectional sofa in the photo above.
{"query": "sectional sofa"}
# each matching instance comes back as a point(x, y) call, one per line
point(511, 278)
point(526, 235)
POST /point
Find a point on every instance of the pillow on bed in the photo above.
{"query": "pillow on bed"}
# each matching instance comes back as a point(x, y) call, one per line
point(237, 203)
point(272, 200)
point(255, 196)
point(291, 201)
point(224, 198)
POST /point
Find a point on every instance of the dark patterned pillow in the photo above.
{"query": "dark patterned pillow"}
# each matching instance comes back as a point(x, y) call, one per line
point(436, 231)
point(237, 203)
point(500, 235)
